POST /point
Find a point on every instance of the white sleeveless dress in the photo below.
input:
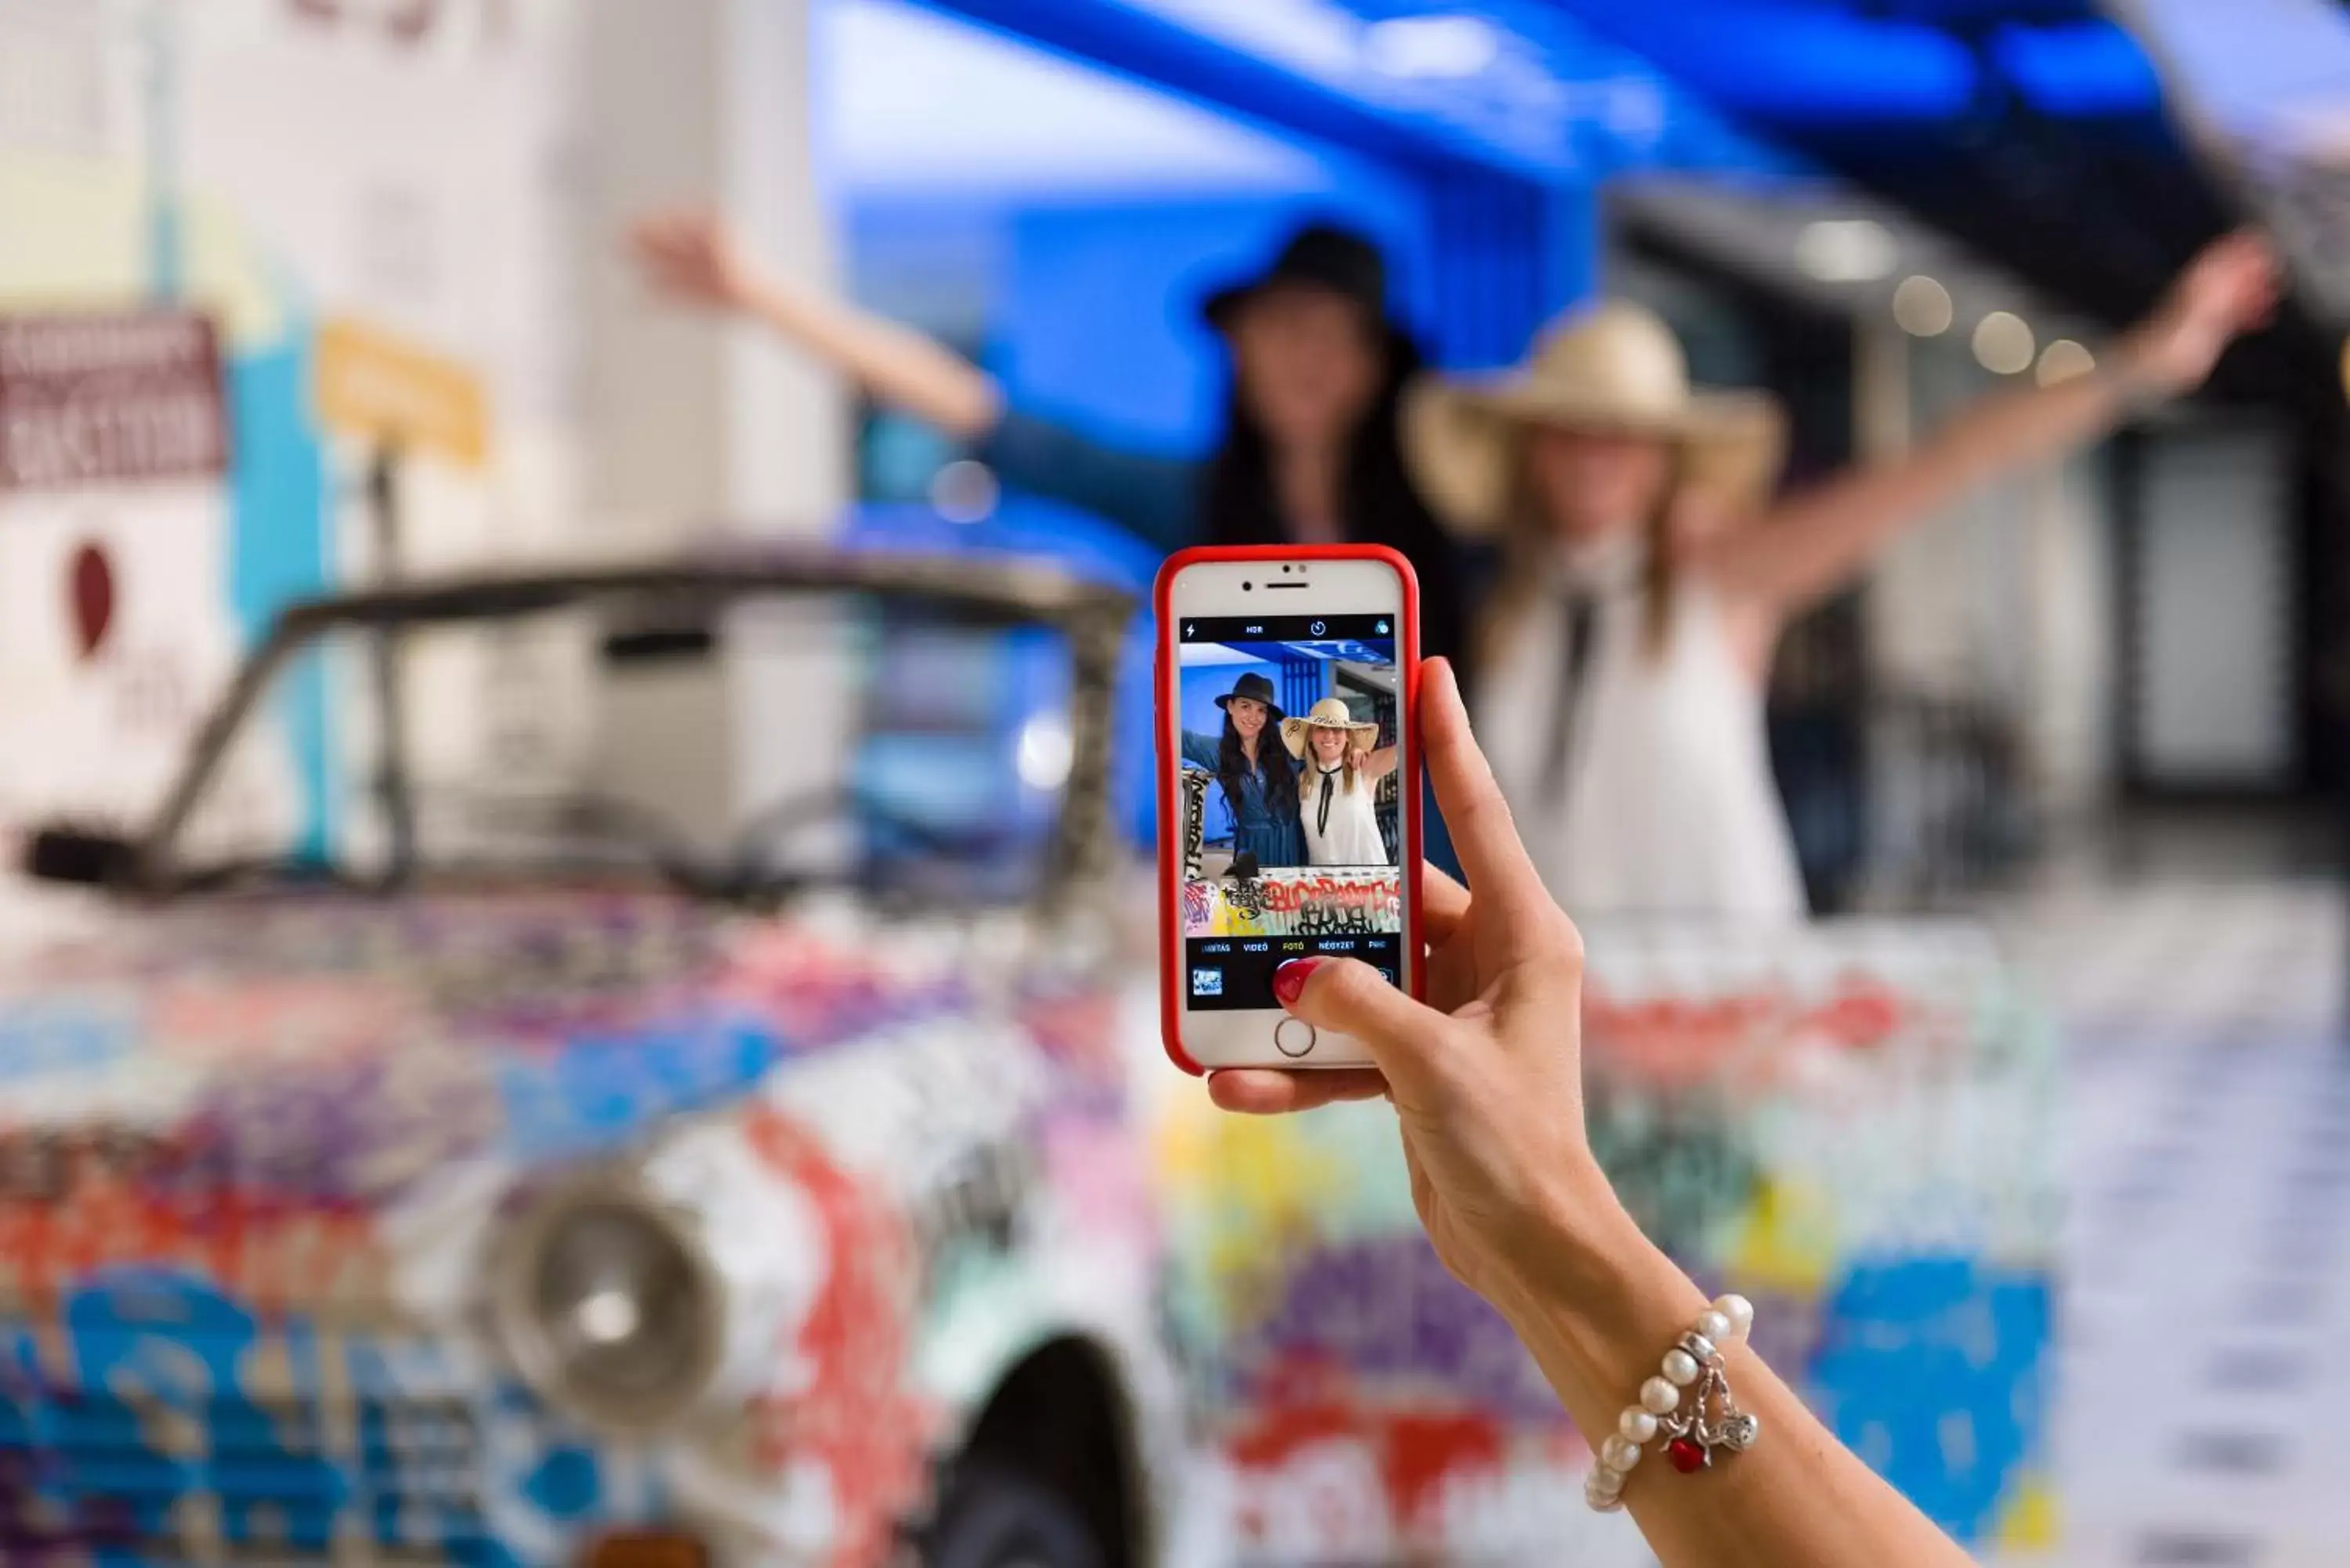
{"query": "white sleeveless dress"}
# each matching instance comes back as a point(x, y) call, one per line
point(1668, 806)
point(1352, 836)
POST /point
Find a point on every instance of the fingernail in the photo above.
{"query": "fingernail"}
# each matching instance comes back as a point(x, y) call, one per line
point(1289, 979)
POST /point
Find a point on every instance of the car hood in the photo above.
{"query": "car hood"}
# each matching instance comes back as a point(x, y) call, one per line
point(337, 1052)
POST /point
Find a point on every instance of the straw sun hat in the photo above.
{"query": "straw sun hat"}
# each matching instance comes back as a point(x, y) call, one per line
point(1330, 713)
point(1615, 367)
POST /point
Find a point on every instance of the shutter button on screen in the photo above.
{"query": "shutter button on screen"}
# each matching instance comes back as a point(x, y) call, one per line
point(1293, 1037)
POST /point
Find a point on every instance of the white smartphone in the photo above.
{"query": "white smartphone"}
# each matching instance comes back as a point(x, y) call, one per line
point(1289, 791)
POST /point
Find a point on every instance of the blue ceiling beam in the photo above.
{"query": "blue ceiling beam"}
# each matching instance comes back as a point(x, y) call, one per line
point(1166, 54)
point(1810, 67)
point(1795, 65)
point(2083, 70)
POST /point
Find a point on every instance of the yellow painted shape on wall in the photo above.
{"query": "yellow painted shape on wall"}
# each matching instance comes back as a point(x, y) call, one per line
point(1251, 1189)
point(2031, 1519)
point(374, 385)
point(1186, 1142)
point(76, 238)
point(1786, 1239)
point(76, 234)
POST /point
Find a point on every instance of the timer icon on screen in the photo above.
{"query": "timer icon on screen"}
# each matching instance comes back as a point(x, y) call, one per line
point(1316, 628)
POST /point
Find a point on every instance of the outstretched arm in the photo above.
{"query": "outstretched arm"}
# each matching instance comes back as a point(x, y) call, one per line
point(1486, 1081)
point(1378, 764)
point(1812, 544)
point(694, 257)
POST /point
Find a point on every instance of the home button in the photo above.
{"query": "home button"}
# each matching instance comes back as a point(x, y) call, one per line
point(1293, 1037)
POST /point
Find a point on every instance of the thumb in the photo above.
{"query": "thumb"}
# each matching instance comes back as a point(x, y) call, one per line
point(1352, 997)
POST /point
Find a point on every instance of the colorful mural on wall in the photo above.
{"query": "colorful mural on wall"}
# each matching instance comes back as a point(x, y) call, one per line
point(1294, 901)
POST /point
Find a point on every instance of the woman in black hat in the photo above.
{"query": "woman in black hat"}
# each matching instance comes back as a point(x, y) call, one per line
point(1310, 452)
point(1258, 776)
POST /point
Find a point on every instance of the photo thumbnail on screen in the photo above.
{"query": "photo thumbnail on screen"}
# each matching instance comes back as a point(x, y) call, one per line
point(1290, 818)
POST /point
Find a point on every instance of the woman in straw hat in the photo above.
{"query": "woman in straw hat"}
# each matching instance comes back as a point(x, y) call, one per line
point(1626, 655)
point(1310, 452)
point(1342, 774)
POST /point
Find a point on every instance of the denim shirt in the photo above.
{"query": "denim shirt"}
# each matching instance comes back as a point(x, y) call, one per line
point(1275, 841)
point(1156, 499)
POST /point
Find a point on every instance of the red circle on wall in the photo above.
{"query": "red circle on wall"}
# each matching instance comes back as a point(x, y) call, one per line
point(92, 591)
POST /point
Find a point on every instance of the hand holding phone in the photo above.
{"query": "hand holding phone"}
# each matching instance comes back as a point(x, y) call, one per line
point(1289, 790)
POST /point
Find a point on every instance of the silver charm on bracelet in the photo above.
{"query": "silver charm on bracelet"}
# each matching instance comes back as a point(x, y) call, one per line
point(1686, 1408)
point(1710, 1417)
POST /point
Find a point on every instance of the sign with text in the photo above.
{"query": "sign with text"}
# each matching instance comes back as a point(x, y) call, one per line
point(116, 625)
point(101, 398)
point(381, 388)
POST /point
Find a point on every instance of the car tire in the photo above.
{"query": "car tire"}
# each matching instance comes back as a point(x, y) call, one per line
point(998, 1518)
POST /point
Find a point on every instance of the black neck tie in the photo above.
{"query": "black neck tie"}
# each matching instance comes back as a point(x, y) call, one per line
point(1582, 622)
point(1321, 808)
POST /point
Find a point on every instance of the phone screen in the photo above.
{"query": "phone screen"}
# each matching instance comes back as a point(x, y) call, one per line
point(1294, 851)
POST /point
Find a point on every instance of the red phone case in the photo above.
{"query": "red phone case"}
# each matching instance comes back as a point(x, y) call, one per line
point(1170, 934)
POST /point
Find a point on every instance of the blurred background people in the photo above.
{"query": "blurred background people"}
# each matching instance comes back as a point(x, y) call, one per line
point(1310, 454)
point(1647, 578)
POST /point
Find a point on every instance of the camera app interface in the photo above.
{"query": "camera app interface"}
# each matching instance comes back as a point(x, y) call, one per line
point(1292, 831)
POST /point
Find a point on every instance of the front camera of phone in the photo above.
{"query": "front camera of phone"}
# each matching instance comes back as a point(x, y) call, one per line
point(1246, 588)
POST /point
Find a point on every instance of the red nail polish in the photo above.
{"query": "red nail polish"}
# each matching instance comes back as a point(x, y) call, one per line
point(1289, 979)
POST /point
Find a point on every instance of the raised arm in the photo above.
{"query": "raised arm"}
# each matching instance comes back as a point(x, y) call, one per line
point(1812, 544)
point(1379, 764)
point(694, 257)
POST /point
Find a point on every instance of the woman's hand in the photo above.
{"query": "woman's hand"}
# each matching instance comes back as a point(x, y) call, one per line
point(694, 257)
point(2229, 288)
point(1487, 1078)
point(1488, 1091)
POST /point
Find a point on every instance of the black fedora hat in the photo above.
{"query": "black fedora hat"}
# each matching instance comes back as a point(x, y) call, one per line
point(1253, 688)
point(1318, 255)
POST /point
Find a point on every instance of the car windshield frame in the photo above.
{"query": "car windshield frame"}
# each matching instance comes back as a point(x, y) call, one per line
point(985, 592)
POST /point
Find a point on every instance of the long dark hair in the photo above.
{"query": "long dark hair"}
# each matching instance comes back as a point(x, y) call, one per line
point(1378, 503)
point(1280, 778)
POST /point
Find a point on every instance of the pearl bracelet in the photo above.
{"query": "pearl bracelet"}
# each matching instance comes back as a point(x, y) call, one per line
point(1710, 1421)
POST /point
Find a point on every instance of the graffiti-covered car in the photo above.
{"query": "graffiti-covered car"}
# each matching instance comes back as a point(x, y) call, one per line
point(431, 1141)
point(460, 1162)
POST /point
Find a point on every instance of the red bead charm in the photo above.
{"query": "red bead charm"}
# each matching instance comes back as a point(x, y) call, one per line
point(1689, 1454)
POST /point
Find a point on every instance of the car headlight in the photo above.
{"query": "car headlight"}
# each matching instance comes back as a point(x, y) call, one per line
point(609, 1304)
point(631, 1295)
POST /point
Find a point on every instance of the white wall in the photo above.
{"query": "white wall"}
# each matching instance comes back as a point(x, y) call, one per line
point(456, 193)
point(2214, 590)
point(696, 424)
